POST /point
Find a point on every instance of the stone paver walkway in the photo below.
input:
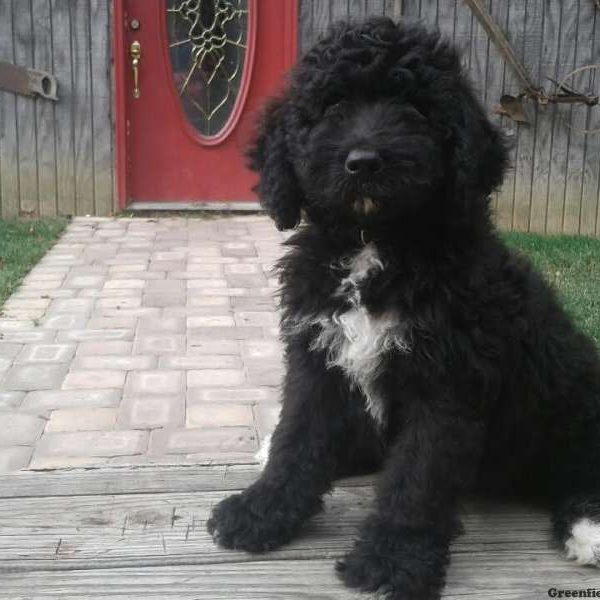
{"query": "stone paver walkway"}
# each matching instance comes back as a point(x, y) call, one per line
point(143, 341)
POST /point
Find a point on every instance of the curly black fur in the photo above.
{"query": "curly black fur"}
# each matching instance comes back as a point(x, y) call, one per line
point(483, 383)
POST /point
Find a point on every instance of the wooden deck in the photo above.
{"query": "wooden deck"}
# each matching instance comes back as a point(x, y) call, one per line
point(139, 533)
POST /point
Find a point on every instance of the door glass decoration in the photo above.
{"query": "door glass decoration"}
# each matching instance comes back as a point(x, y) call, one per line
point(208, 42)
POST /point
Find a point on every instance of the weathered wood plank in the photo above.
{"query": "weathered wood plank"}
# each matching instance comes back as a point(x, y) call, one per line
point(479, 56)
point(306, 25)
point(26, 114)
point(169, 528)
point(137, 480)
point(154, 545)
point(545, 119)
point(463, 26)
point(591, 170)
point(446, 17)
point(476, 576)
point(531, 16)
point(321, 17)
point(393, 9)
point(142, 529)
point(356, 9)
point(429, 12)
point(81, 106)
point(374, 8)
point(339, 10)
point(510, 85)
point(584, 42)
point(63, 110)
point(9, 151)
point(101, 107)
point(411, 9)
point(92, 545)
point(560, 133)
point(45, 118)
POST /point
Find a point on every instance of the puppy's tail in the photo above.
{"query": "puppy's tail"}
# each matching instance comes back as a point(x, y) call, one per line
point(577, 528)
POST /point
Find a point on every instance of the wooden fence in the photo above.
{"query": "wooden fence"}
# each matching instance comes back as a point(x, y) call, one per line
point(553, 185)
point(57, 158)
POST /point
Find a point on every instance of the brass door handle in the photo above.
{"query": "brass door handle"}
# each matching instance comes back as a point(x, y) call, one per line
point(135, 51)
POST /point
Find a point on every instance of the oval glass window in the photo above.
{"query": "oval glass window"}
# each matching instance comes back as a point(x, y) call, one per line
point(209, 47)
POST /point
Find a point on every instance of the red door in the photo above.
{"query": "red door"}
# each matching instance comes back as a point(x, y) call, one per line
point(203, 68)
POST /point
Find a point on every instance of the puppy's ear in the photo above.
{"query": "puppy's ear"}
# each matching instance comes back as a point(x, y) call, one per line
point(270, 156)
point(480, 153)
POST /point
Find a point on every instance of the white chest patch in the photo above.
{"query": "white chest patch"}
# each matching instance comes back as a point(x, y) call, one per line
point(357, 341)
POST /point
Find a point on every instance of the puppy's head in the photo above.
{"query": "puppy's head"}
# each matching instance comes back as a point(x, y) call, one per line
point(378, 125)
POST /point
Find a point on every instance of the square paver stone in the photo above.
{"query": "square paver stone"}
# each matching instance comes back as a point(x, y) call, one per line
point(20, 429)
point(14, 458)
point(215, 377)
point(46, 353)
point(94, 379)
point(154, 382)
point(82, 419)
point(219, 415)
point(152, 411)
point(82, 398)
point(215, 440)
point(93, 443)
point(27, 377)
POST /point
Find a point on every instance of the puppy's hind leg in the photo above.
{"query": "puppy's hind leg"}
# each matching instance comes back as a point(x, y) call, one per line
point(576, 518)
point(577, 528)
point(303, 458)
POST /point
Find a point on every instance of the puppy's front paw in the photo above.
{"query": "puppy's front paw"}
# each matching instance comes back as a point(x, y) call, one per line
point(394, 567)
point(256, 520)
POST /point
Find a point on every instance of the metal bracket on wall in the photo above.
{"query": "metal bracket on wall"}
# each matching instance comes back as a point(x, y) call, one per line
point(512, 106)
point(27, 82)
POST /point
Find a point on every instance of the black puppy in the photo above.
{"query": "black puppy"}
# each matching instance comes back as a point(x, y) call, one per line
point(412, 333)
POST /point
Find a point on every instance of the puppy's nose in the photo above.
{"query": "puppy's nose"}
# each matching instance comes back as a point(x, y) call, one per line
point(362, 161)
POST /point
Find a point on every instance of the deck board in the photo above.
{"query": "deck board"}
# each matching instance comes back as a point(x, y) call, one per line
point(140, 533)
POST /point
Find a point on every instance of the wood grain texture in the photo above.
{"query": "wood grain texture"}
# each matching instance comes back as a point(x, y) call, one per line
point(101, 86)
point(45, 110)
point(321, 12)
point(545, 120)
point(530, 15)
point(578, 117)
point(411, 9)
point(591, 166)
point(523, 577)
point(429, 11)
point(393, 9)
point(559, 158)
point(339, 10)
point(153, 544)
point(511, 85)
point(65, 138)
point(136, 480)
point(26, 113)
point(82, 107)
point(9, 148)
point(306, 25)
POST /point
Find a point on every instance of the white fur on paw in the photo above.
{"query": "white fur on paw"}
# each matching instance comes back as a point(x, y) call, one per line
point(584, 544)
point(262, 456)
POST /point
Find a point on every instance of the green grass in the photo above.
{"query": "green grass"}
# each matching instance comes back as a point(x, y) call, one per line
point(572, 265)
point(22, 244)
